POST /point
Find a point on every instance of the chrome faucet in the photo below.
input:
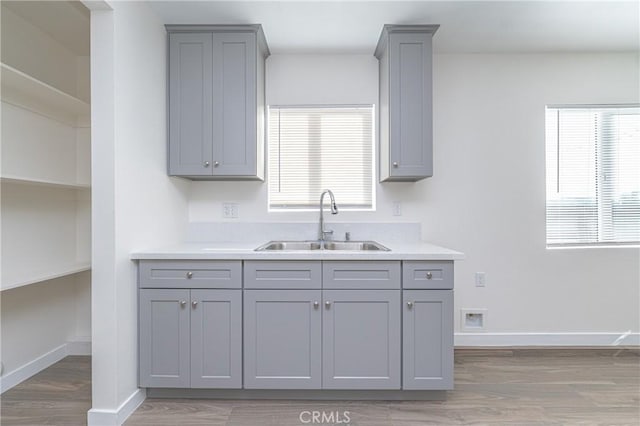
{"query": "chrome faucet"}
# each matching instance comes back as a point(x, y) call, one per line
point(334, 210)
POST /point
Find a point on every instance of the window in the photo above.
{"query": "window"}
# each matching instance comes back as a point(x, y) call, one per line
point(317, 148)
point(593, 175)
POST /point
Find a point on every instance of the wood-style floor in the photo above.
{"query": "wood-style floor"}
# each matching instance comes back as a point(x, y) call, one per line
point(493, 387)
point(58, 395)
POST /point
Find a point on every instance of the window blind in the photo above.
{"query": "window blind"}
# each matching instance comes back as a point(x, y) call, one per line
point(317, 148)
point(593, 175)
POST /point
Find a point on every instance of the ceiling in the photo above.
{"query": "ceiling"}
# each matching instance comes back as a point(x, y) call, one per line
point(465, 26)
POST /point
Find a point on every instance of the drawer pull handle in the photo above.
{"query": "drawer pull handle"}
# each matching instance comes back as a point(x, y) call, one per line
point(409, 305)
point(194, 304)
point(189, 275)
point(429, 275)
point(315, 305)
point(183, 303)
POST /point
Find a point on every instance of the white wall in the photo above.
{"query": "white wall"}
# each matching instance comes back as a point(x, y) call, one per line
point(135, 204)
point(307, 80)
point(39, 318)
point(487, 195)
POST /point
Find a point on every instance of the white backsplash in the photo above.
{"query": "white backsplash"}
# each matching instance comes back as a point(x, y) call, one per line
point(239, 232)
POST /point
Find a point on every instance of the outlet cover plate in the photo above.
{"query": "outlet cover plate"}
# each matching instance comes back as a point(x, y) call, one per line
point(473, 320)
point(230, 210)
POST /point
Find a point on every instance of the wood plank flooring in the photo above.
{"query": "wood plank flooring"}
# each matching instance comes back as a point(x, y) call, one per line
point(493, 387)
point(58, 395)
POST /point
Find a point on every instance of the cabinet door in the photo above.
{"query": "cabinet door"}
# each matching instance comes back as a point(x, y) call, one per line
point(234, 90)
point(427, 339)
point(190, 104)
point(410, 121)
point(164, 338)
point(216, 330)
point(361, 339)
point(282, 332)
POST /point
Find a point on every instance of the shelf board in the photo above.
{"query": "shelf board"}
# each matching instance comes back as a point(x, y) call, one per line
point(50, 275)
point(25, 91)
point(19, 180)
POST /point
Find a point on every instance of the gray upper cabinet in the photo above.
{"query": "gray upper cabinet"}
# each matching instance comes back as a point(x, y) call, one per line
point(190, 104)
point(406, 130)
point(216, 101)
point(427, 344)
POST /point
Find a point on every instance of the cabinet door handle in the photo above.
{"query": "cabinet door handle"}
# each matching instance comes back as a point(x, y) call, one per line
point(429, 275)
point(189, 275)
point(315, 305)
point(206, 164)
point(183, 303)
point(216, 163)
point(327, 304)
point(194, 304)
point(409, 305)
point(395, 164)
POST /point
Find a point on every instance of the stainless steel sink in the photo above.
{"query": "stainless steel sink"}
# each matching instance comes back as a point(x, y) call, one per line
point(289, 245)
point(354, 246)
point(328, 245)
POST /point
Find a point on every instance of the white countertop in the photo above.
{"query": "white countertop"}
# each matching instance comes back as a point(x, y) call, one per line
point(241, 251)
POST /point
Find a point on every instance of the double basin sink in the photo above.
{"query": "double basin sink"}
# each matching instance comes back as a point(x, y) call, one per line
point(327, 245)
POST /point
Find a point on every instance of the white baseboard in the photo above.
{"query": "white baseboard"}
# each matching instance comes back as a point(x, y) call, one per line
point(80, 346)
point(31, 368)
point(547, 339)
point(98, 417)
point(22, 373)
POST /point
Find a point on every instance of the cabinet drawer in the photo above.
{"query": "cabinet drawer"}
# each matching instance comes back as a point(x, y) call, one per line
point(427, 274)
point(360, 275)
point(190, 274)
point(282, 275)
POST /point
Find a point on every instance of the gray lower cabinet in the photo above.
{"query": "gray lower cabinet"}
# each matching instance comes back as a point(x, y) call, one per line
point(406, 131)
point(164, 338)
point(216, 101)
point(216, 343)
point(427, 346)
point(297, 325)
point(190, 338)
point(361, 339)
point(282, 332)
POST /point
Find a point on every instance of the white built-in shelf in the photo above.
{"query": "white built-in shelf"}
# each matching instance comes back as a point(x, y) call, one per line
point(30, 93)
point(62, 271)
point(19, 180)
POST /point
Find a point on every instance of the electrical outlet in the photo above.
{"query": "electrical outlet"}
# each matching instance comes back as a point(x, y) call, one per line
point(397, 209)
point(481, 279)
point(230, 210)
point(473, 320)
